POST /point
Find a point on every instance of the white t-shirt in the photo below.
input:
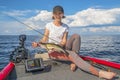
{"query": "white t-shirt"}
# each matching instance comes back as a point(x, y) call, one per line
point(56, 33)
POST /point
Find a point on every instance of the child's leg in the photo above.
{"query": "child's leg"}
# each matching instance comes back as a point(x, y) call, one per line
point(82, 64)
point(89, 68)
point(73, 44)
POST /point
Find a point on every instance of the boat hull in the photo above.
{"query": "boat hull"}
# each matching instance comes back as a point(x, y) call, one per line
point(57, 69)
point(6, 71)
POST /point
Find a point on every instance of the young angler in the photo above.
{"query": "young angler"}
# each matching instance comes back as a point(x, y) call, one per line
point(57, 32)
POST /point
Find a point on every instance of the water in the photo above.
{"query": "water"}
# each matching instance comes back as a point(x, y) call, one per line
point(104, 47)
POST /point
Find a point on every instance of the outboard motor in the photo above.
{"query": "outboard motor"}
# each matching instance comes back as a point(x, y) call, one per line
point(20, 53)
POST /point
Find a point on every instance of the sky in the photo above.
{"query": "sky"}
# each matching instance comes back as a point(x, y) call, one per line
point(84, 16)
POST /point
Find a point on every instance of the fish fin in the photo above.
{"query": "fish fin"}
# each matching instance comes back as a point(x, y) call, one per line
point(66, 53)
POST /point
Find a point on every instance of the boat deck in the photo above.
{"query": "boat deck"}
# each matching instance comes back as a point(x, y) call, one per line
point(54, 70)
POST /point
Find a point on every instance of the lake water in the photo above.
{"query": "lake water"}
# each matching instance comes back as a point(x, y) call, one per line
point(104, 47)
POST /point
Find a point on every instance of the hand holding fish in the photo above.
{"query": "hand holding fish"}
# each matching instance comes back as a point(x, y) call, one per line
point(35, 44)
point(51, 47)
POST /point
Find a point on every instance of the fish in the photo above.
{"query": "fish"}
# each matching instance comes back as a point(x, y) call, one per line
point(54, 47)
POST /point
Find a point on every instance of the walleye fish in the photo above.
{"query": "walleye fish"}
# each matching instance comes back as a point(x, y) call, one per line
point(54, 47)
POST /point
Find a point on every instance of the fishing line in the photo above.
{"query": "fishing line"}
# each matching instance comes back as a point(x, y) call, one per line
point(39, 32)
point(30, 27)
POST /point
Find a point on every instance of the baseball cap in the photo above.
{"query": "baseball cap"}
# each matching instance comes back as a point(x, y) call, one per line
point(58, 9)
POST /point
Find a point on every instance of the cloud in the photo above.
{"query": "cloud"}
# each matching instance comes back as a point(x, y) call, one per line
point(39, 21)
point(105, 29)
point(94, 17)
point(43, 15)
point(12, 27)
point(84, 19)
point(11, 21)
point(19, 13)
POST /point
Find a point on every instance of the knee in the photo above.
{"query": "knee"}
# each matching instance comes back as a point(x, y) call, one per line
point(76, 36)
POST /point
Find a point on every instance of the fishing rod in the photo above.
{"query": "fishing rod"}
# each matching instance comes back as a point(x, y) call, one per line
point(30, 27)
point(44, 35)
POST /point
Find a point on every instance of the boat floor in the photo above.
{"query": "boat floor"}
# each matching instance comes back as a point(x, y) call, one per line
point(54, 70)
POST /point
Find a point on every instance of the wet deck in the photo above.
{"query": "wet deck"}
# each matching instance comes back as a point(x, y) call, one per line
point(54, 70)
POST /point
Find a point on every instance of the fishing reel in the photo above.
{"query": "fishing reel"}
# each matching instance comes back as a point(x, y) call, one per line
point(20, 53)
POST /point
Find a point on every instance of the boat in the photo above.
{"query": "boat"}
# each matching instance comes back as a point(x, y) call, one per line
point(52, 69)
point(58, 70)
point(6, 71)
